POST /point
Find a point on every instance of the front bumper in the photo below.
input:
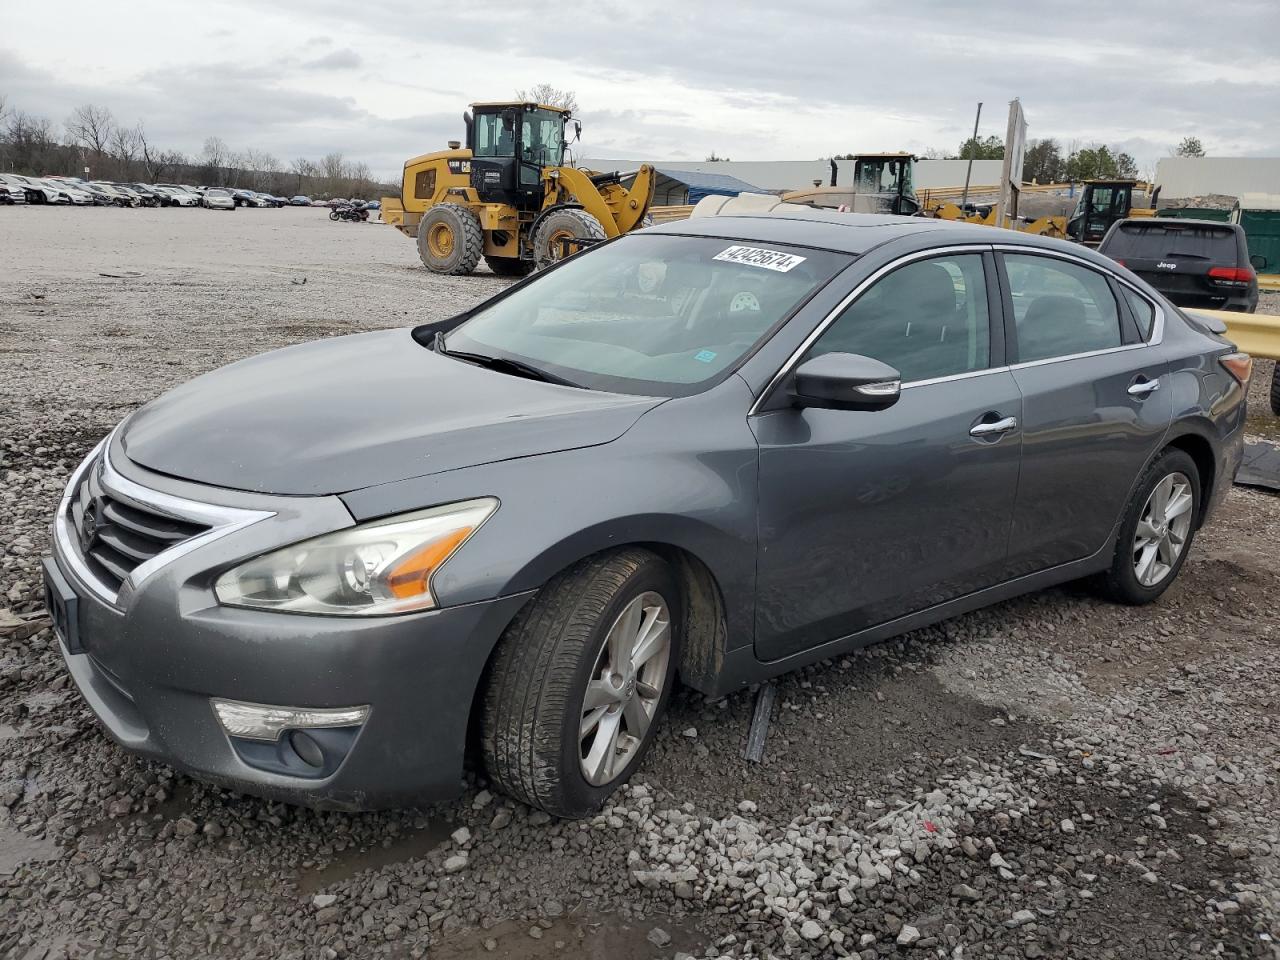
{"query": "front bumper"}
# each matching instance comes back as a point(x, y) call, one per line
point(156, 657)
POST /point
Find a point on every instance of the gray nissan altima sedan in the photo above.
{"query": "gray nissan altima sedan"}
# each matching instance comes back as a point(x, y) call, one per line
point(711, 451)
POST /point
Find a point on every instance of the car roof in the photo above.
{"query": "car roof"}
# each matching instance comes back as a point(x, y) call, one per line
point(852, 233)
point(1176, 222)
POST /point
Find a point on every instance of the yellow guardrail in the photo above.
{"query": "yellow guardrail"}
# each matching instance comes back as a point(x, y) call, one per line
point(1257, 334)
point(1269, 281)
point(667, 214)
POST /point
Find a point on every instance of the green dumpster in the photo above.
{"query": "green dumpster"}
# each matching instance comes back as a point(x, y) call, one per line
point(1262, 227)
point(1215, 214)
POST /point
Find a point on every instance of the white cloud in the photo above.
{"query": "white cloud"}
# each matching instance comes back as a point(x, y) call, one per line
point(388, 79)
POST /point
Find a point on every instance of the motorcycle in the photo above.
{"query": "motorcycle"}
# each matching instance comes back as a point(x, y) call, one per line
point(350, 212)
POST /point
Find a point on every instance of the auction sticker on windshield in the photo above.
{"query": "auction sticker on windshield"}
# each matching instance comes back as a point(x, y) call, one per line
point(759, 257)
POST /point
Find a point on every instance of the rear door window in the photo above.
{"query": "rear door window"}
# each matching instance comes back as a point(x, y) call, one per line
point(1060, 308)
point(1172, 241)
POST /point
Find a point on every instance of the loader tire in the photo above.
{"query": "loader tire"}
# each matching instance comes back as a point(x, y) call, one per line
point(1275, 389)
point(450, 239)
point(509, 266)
point(569, 223)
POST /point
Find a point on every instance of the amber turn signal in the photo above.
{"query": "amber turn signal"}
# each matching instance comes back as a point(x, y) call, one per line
point(412, 575)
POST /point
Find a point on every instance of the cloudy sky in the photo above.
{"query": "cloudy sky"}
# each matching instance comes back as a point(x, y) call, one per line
point(382, 80)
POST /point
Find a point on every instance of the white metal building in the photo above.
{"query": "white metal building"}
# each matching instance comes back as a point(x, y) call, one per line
point(1180, 177)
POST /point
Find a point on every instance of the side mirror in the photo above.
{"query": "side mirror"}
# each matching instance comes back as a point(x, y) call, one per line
point(846, 381)
point(577, 131)
point(1259, 262)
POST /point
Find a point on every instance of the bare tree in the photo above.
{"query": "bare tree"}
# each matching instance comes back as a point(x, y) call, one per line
point(29, 142)
point(124, 146)
point(360, 180)
point(214, 157)
point(90, 127)
point(333, 173)
point(304, 170)
point(149, 153)
point(173, 160)
point(545, 93)
point(260, 168)
point(156, 163)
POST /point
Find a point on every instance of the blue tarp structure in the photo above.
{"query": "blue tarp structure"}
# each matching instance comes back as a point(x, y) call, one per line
point(701, 185)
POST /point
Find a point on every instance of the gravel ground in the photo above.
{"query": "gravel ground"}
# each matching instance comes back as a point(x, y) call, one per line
point(1052, 777)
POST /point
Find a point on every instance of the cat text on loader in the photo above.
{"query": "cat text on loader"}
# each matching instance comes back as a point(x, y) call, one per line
point(508, 196)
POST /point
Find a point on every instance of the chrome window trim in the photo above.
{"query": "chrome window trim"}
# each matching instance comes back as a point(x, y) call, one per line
point(852, 295)
point(222, 521)
point(1023, 364)
point(966, 375)
point(1157, 325)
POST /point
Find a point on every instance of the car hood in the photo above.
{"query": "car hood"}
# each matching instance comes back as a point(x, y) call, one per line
point(349, 412)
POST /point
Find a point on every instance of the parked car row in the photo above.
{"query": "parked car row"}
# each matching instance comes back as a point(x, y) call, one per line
point(18, 188)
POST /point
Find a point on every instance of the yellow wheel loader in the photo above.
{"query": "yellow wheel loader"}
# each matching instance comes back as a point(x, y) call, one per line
point(508, 196)
point(1102, 203)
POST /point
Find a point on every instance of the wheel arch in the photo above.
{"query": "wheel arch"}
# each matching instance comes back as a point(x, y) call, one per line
point(704, 629)
point(1198, 447)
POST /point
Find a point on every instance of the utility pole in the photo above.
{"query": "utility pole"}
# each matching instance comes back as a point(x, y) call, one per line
point(973, 148)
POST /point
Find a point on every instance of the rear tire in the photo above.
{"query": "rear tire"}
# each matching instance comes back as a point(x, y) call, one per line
point(450, 239)
point(568, 223)
point(1147, 561)
point(564, 647)
point(509, 266)
point(1275, 389)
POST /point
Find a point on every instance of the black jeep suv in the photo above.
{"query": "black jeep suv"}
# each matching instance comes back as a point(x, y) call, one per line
point(1195, 263)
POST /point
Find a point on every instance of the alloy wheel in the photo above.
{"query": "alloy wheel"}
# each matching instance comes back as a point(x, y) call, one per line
point(1162, 530)
point(624, 688)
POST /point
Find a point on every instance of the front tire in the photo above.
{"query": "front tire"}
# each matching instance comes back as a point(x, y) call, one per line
point(580, 681)
point(450, 239)
point(561, 226)
point(509, 266)
point(1156, 533)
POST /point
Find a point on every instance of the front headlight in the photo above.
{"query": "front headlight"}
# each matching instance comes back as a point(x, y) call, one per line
point(375, 569)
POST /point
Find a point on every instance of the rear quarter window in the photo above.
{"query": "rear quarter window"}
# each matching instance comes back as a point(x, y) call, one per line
point(1144, 314)
point(1167, 241)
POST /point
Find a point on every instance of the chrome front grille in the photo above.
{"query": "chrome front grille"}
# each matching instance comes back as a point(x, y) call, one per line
point(110, 530)
point(115, 536)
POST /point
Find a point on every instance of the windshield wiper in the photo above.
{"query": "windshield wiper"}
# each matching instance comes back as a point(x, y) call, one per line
point(502, 364)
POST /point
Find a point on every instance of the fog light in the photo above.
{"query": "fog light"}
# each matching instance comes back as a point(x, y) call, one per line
point(305, 746)
point(255, 721)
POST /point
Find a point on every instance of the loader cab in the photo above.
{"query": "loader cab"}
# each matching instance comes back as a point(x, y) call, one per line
point(511, 144)
point(888, 176)
point(1102, 203)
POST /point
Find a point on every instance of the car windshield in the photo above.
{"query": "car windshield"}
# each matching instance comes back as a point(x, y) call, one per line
point(1157, 241)
point(216, 193)
point(653, 314)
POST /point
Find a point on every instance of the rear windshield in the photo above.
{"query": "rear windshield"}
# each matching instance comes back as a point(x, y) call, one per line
point(1157, 241)
point(654, 314)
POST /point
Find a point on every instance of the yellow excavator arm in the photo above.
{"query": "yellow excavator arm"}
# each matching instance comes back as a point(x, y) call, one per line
point(619, 209)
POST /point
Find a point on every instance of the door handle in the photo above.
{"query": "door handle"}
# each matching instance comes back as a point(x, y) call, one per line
point(1144, 387)
point(995, 428)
